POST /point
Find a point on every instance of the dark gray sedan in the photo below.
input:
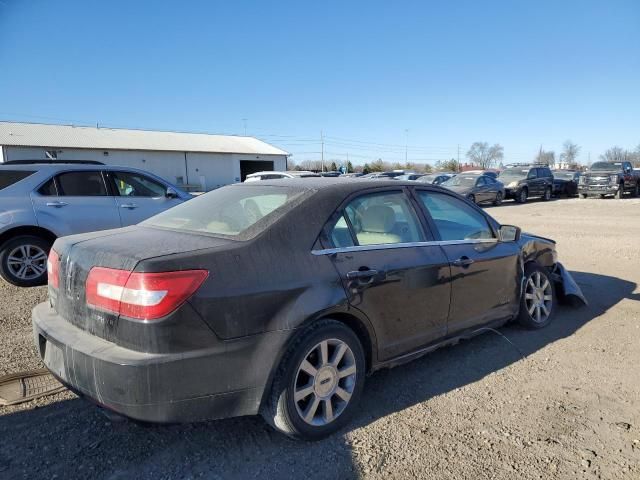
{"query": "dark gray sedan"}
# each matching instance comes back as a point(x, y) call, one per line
point(279, 297)
point(477, 188)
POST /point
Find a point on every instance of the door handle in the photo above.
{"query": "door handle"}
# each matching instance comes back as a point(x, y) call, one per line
point(130, 206)
point(362, 275)
point(463, 262)
point(56, 204)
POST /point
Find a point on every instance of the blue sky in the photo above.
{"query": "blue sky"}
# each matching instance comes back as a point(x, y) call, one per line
point(520, 73)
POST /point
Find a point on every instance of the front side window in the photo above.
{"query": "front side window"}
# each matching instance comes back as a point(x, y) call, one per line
point(533, 173)
point(136, 185)
point(81, 184)
point(481, 182)
point(235, 211)
point(454, 219)
point(383, 218)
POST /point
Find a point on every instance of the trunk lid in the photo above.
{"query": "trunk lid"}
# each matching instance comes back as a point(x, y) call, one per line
point(121, 249)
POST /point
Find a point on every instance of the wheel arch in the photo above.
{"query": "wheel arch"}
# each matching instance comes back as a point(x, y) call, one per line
point(352, 318)
point(27, 230)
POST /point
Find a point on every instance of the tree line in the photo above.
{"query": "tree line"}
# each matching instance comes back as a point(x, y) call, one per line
point(480, 155)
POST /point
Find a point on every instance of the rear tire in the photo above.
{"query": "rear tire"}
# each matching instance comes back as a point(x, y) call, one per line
point(538, 300)
point(636, 190)
point(319, 382)
point(23, 260)
point(547, 195)
point(471, 198)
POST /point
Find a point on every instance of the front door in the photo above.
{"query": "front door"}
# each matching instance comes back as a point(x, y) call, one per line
point(399, 281)
point(138, 196)
point(75, 202)
point(485, 273)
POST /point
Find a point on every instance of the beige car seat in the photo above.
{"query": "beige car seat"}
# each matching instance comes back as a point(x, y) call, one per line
point(378, 222)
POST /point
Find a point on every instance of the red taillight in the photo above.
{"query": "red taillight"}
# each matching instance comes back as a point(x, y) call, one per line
point(53, 269)
point(143, 296)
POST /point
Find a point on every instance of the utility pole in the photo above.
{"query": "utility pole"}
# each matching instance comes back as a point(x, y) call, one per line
point(406, 145)
point(322, 151)
point(244, 121)
point(458, 154)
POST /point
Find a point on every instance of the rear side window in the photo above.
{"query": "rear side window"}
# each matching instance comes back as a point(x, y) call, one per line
point(454, 219)
point(81, 184)
point(233, 211)
point(382, 218)
point(9, 177)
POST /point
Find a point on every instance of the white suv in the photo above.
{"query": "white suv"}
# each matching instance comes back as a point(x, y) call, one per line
point(40, 202)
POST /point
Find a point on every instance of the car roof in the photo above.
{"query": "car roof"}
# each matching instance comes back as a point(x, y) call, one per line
point(336, 184)
point(50, 167)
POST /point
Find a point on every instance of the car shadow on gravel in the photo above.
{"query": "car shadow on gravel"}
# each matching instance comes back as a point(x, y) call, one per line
point(71, 439)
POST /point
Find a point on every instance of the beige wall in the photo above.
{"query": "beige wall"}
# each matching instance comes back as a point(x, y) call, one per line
point(218, 169)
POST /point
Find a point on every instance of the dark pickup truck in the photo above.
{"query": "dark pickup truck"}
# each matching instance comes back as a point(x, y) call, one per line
point(609, 178)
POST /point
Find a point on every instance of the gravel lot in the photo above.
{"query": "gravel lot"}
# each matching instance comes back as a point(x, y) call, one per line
point(566, 408)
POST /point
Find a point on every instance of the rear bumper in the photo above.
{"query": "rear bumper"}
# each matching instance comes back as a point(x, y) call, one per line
point(226, 380)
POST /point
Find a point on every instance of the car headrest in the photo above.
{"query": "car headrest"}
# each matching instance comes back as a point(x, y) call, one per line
point(378, 219)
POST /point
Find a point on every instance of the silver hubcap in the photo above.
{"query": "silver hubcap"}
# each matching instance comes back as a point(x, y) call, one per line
point(538, 297)
point(325, 382)
point(27, 262)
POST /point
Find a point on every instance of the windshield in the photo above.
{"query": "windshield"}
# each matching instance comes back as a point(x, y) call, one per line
point(563, 175)
point(461, 181)
point(606, 166)
point(517, 172)
point(233, 211)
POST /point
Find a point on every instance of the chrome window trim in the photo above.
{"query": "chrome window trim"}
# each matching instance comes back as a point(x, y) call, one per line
point(388, 246)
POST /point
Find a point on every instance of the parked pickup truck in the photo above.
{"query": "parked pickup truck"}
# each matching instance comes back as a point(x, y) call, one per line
point(609, 178)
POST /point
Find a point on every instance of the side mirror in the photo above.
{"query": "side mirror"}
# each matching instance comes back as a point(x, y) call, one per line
point(171, 193)
point(509, 233)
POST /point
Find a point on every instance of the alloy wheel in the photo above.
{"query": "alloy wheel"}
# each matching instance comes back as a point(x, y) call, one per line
point(325, 382)
point(538, 297)
point(27, 262)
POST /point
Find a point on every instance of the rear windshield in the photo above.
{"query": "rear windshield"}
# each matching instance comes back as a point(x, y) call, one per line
point(461, 181)
point(9, 177)
point(238, 212)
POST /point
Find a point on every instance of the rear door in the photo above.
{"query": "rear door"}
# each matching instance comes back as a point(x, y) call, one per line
point(75, 202)
point(138, 196)
point(485, 272)
point(389, 270)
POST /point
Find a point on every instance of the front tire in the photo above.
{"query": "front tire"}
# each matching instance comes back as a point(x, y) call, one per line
point(522, 195)
point(471, 198)
point(498, 201)
point(23, 260)
point(538, 301)
point(620, 192)
point(318, 383)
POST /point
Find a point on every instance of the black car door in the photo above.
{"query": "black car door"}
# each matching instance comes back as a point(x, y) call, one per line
point(391, 269)
point(485, 272)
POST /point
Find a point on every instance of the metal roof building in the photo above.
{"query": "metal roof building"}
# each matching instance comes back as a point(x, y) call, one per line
point(200, 160)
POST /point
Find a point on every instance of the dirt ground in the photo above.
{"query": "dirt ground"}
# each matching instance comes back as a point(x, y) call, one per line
point(558, 403)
